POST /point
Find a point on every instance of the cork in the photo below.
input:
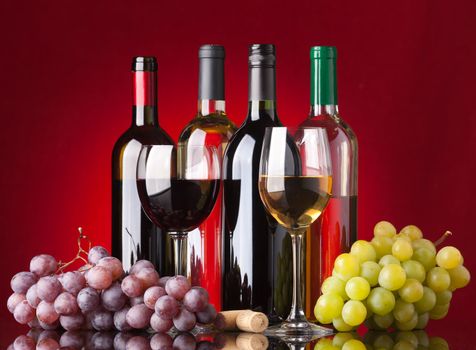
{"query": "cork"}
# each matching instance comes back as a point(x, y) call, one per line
point(226, 320)
point(251, 321)
point(252, 341)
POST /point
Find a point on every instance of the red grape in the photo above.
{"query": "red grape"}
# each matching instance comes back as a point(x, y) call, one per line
point(43, 265)
point(49, 327)
point(148, 277)
point(159, 324)
point(101, 340)
point(137, 300)
point(102, 320)
point(24, 342)
point(24, 313)
point(14, 300)
point(66, 304)
point(132, 286)
point(139, 265)
point(99, 277)
point(72, 322)
point(120, 340)
point(96, 253)
point(73, 282)
point(47, 344)
point(177, 287)
point(163, 281)
point(46, 312)
point(196, 299)
point(138, 316)
point(120, 321)
point(166, 307)
point(207, 315)
point(161, 341)
point(34, 324)
point(185, 320)
point(48, 288)
point(22, 281)
point(114, 265)
point(152, 294)
point(113, 299)
point(184, 341)
point(32, 297)
point(88, 299)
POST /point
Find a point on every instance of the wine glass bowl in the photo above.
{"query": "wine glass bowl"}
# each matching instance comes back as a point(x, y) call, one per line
point(295, 181)
point(178, 187)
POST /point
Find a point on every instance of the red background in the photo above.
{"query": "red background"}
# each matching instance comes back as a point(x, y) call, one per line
point(406, 72)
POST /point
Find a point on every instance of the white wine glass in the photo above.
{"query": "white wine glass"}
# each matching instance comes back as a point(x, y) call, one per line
point(295, 181)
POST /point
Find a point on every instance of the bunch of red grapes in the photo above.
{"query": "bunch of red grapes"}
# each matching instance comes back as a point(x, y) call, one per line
point(99, 296)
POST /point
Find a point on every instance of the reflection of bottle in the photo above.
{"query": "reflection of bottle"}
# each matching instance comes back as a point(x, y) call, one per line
point(211, 126)
point(247, 262)
point(134, 236)
point(336, 229)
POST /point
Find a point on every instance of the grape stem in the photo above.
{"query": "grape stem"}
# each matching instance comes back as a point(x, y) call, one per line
point(442, 238)
point(79, 255)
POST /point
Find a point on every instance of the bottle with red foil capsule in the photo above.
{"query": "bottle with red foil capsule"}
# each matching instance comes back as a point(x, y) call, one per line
point(336, 229)
point(134, 236)
point(210, 126)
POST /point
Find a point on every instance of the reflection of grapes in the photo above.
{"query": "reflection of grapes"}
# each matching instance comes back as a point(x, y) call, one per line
point(397, 280)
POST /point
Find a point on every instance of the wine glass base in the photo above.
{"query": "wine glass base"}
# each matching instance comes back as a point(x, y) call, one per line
point(298, 331)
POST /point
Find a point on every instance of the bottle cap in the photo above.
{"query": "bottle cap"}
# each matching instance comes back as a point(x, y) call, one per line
point(262, 55)
point(144, 64)
point(211, 51)
point(323, 52)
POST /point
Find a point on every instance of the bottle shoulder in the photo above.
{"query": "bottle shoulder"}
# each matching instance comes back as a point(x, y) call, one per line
point(142, 135)
point(337, 129)
point(217, 123)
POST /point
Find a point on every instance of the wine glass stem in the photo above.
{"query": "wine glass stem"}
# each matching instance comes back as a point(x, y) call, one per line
point(179, 240)
point(297, 313)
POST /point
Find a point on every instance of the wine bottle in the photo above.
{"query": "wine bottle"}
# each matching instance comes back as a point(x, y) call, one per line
point(248, 230)
point(134, 236)
point(210, 126)
point(336, 229)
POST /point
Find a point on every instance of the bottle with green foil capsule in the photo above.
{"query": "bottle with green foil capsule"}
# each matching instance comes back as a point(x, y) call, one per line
point(336, 229)
point(210, 126)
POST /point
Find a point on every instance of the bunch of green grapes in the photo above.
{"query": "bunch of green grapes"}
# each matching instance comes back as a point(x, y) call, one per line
point(407, 340)
point(397, 280)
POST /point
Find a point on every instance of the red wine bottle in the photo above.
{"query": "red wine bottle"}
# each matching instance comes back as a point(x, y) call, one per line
point(248, 230)
point(336, 229)
point(134, 236)
point(210, 126)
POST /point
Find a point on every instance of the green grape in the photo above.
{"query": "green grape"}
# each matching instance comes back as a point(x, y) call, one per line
point(422, 337)
point(408, 325)
point(439, 312)
point(403, 311)
point(402, 236)
point(460, 277)
point(408, 336)
point(414, 270)
point(425, 257)
point(383, 321)
point(392, 277)
point(335, 285)
point(427, 302)
point(424, 243)
point(363, 251)
point(354, 313)
point(422, 320)
point(341, 337)
point(438, 279)
point(385, 229)
point(324, 343)
point(411, 291)
point(340, 325)
point(412, 231)
point(449, 257)
point(403, 345)
point(346, 266)
point(383, 341)
point(382, 245)
point(370, 271)
point(369, 312)
point(380, 301)
point(387, 260)
point(353, 344)
point(402, 249)
point(443, 297)
point(328, 307)
point(357, 288)
point(437, 343)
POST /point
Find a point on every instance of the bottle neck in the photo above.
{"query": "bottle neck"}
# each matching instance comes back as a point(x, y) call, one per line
point(144, 107)
point(262, 93)
point(323, 82)
point(210, 107)
point(317, 110)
